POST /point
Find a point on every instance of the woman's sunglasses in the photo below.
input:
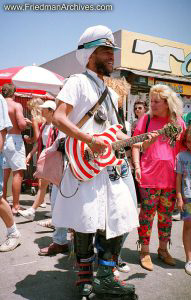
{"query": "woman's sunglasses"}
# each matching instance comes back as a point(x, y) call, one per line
point(139, 108)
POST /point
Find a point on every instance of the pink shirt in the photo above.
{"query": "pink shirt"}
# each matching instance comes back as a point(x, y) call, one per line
point(158, 161)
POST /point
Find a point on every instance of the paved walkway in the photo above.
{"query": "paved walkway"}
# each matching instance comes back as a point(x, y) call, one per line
point(25, 275)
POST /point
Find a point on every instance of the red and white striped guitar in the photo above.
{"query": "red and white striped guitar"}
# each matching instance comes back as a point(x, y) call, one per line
point(86, 166)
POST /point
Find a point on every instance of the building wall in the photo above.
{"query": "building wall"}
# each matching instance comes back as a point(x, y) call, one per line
point(144, 52)
point(139, 52)
point(67, 64)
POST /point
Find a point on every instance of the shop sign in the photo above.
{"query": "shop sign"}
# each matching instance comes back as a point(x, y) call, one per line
point(177, 87)
point(141, 80)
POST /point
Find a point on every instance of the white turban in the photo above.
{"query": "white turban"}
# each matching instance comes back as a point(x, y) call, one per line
point(91, 34)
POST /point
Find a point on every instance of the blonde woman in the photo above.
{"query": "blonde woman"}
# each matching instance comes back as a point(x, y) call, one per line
point(46, 137)
point(37, 118)
point(155, 173)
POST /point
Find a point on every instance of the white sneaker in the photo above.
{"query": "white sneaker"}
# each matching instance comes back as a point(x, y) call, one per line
point(123, 267)
point(27, 214)
point(12, 241)
point(188, 267)
point(43, 205)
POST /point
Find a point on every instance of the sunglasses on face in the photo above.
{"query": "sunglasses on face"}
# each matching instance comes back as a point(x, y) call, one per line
point(139, 108)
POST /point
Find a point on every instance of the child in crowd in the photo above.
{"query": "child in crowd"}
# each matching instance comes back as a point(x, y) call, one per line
point(183, 194)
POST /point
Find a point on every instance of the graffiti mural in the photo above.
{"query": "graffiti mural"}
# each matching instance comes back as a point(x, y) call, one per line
point(160, 56)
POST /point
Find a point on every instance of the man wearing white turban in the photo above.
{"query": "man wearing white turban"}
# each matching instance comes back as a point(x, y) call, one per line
point(100, 205)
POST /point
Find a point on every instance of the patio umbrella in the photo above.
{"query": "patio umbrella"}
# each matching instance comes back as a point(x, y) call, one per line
point(32, 79)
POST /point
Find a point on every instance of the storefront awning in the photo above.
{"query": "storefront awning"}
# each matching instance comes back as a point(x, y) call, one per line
point(157, 75)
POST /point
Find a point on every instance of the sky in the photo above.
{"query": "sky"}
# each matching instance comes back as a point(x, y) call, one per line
point(35, 37)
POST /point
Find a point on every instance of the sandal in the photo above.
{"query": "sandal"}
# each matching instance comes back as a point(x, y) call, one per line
point(46, 223)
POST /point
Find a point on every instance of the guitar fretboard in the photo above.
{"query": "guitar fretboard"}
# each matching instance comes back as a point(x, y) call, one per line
point(133, 140)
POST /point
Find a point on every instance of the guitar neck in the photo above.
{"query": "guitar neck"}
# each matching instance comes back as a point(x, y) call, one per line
point(133, 140)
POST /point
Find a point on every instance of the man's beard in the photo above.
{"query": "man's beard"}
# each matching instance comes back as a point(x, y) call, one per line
point(102, 69)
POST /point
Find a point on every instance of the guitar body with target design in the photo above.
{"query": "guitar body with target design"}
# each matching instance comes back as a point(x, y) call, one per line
point(85, 165)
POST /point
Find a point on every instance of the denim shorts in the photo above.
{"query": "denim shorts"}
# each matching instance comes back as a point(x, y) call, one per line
point(1, 174)
point(186, 214)
point(14, 153)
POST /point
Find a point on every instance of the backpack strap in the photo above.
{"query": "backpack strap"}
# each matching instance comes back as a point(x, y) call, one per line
point(147, 124)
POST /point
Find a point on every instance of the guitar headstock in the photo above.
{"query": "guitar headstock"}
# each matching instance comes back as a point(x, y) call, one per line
point(172, 131)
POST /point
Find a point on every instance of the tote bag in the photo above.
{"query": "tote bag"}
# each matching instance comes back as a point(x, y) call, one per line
point(50, 166)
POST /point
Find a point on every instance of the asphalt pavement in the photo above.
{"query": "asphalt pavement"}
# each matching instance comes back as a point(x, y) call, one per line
point(26, 275)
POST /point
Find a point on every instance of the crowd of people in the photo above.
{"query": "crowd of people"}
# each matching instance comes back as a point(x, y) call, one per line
point(85, 114)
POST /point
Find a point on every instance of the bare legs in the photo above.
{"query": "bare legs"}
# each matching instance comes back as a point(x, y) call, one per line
point(16, 186)
point(29, 213)
point(187, 239)
point(5, 213)
point(43, 184)
point(6, 174)
point(13, 235)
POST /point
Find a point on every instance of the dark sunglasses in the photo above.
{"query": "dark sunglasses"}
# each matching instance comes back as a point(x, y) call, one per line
point(139, 108)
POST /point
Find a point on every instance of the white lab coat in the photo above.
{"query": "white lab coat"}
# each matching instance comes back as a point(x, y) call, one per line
point(99, 203)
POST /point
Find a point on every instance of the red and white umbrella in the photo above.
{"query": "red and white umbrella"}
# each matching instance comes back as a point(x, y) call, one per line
point(32, 79)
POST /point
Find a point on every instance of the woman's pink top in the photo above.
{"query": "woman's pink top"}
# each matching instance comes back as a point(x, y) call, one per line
point(158, 161)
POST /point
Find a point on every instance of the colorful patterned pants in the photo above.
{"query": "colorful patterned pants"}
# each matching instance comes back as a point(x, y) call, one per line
point(161, 201)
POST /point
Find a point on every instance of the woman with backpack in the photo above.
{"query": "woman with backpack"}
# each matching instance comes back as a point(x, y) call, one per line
point(155, 174)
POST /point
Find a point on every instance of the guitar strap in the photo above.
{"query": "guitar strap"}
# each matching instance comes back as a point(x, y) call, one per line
point(92, 110)
point(90, 113)
point(103, 96)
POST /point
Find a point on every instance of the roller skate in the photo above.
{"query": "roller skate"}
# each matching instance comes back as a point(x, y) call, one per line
point(108, 286)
